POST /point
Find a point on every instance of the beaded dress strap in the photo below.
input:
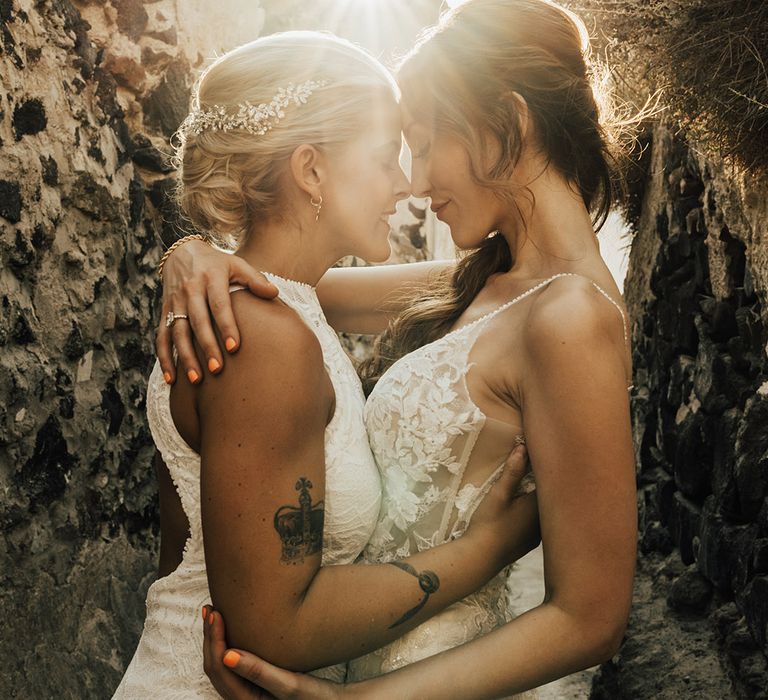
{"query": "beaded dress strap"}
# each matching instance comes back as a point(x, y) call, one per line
point(546, 282)
point(554, 277)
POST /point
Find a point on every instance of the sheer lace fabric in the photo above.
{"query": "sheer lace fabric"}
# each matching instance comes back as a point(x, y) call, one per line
point(424, 429)
point(168, 661)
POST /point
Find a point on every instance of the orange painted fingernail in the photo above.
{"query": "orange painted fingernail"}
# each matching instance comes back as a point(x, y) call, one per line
point(231, 658)
point(213, 365)
point(203, 612)
point(210, 619)
point(167, 377)
point(193, 376)
point(230, 344)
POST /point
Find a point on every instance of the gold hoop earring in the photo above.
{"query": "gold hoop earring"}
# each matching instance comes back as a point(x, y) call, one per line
point(318, 205)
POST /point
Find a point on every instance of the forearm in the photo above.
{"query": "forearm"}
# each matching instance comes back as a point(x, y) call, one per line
point(365, 299)
point(535, 648)
point(350, 610)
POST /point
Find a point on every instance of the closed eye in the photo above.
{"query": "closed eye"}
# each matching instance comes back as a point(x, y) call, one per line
point(423, 151)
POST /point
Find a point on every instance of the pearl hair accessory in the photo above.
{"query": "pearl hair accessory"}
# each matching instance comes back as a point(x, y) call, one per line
point(251, 118)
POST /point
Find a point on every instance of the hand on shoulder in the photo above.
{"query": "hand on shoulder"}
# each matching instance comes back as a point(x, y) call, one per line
point(279, 366)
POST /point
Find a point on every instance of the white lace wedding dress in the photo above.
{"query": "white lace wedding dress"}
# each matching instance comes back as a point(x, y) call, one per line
point(427, 435)
point(168, 663)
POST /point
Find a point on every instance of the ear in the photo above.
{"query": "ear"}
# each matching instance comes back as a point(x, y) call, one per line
point(307, 167)
point(518, 105)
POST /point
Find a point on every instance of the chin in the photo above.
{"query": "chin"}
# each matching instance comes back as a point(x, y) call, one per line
point(376, 255)
point(465, 240)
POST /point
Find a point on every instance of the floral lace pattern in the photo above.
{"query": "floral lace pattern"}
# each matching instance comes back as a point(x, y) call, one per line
point(168, 662)
point(422, 426)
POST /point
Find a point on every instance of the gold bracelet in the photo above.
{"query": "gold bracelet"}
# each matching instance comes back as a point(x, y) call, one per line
point(181, 241)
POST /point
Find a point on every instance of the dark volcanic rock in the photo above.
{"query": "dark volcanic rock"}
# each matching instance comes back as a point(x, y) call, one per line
point(93, 199)
point(29, 118)
point(147, 156)
point(167, 106)
point(50, 170)
point(44, 476)
point(132, 18)
point(10, 201)
point(691, 592)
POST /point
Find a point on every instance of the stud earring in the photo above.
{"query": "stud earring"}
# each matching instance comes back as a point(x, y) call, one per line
point(318, 205)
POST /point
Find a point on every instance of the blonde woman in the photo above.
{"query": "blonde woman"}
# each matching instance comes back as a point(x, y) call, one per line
point(525, 334)
point(291, 154)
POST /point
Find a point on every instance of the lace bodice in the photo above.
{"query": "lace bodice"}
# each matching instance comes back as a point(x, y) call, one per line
point(168, 661)
point(424, 429)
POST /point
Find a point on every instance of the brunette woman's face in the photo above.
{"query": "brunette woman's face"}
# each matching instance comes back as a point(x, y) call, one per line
point(441, 170)
point(366, 184)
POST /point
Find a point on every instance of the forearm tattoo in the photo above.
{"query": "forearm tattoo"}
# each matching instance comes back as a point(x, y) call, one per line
point(428, 582)
point(300, 528)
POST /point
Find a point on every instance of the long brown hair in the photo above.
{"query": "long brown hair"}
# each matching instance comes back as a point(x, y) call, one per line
point(463, 73)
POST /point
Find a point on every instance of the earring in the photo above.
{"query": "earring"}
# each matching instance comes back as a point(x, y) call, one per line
point(318, 205)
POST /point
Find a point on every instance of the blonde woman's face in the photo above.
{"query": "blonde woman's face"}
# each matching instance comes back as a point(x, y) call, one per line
point(366, 182)
point(441, 171)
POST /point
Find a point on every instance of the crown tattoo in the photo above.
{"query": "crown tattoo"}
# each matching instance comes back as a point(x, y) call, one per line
point(300, 529)
point(255, 119)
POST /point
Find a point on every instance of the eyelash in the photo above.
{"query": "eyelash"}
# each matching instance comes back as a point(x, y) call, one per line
point(423, 152)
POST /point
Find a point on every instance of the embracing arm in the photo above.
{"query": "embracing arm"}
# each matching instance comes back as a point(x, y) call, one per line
point(365, 299)
point(262, 491)
point(196, 282)
point(576, 419)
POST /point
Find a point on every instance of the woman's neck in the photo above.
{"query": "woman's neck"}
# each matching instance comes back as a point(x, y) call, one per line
point(559, 235)
point(287, 250)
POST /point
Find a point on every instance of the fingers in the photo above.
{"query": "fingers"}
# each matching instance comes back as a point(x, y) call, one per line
point(207, 652)
point(508, 483)
point(220, 301)
point(164, 351)
point(516, 463)
point(276, 681)
point(200, 326)
point(226, 683)
point(188, 362)
point(242, 273)
point(164, 340)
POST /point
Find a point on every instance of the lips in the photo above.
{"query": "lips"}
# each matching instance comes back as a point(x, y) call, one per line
point(439, 207)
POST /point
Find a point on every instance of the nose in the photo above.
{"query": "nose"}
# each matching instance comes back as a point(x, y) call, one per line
point(402, 186)
point(420, 185)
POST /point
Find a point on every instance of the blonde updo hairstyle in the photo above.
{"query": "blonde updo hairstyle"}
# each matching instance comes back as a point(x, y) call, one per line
point(228, 181)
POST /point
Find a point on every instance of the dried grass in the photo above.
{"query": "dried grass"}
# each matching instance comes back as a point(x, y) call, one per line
point(708, 59)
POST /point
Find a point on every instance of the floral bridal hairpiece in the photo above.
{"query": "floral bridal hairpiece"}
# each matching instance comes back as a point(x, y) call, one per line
point(255, 119)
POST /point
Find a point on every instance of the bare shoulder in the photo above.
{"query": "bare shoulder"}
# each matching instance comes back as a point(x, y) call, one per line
point(279, 355)
point(571, 311)
point(267, 323)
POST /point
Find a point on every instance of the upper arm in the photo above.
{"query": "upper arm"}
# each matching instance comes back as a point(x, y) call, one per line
point(577, 425)
point(262, 432)
point(365, 299)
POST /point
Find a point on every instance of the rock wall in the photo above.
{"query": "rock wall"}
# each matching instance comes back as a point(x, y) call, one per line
point(697, 289)
point(90, 94)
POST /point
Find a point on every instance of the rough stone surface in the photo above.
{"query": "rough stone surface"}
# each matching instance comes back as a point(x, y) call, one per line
point(667, 654)
point(696, 290)
point(80, 238)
